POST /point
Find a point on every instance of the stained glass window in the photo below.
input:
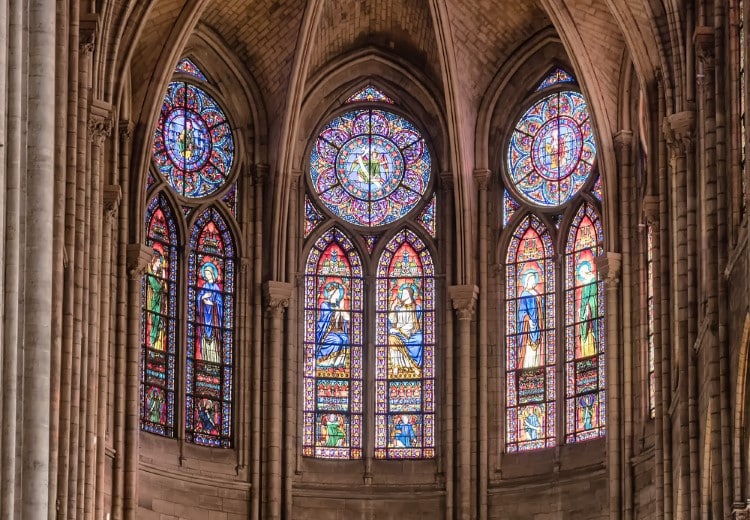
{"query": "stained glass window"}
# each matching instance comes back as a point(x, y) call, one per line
point(312, 217)
point(556, 77)
point(370, 241)
point(427, 217)
point(552, 150)
point(333, 349)
point(210, 336)
point(405, 350)
point(186, 66)
point(370, 167)
point(158, 320)
point(230, 199)
point(530, 338)
point(193, 144)
point(584, 330)
point(369, 94)
point(598, 193)
point(510, 206)
point(651, 322)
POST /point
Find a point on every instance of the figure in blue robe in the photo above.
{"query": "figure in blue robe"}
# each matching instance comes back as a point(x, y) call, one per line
point(210, 307)
point(528, 318)
point(532, 425)
point(404, 433)
point(332, 328)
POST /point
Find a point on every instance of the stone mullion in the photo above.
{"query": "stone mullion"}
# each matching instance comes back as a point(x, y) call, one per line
point(277, 300)
point(12, 262)
point(138, 256)
point(39, 212)
point(446, 455)
point(464, 298)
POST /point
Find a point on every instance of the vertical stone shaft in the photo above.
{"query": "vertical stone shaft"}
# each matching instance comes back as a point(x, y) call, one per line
point(38, 258)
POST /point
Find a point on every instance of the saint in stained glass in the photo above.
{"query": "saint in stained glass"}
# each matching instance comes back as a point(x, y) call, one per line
point(405, 351)
point(556, 77)
point(584, 329)
point(369, 94)
point(186, 66)
point(193, 143)
point(333, 350)
point(530, 339)
point(552, 150)
point(210, 311)
point(158, 320)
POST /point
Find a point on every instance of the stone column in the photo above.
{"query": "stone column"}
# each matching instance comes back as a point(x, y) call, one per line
point(608, 266)
point(138, 256)
point(277, 300)
point(38, 258)
point(464, 299)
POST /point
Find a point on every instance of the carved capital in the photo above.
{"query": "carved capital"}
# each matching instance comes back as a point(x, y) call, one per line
point(245, 264)
point(294, 178)
point(89, 25)
point(138, 257)
point(260, 173)
point(608, 265)
point(651, 209)
point(464, 299)
point(112, 198)
point(446, 181)
point(100, 122)
point(126, 131)
point(741, 512)
point(703, 39)
point(679, 132)
point(277, 296)
point(623, 143)
point(482, 178)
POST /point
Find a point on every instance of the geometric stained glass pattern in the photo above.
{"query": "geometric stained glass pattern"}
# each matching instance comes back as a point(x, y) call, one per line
point(405, 351)
point(193, 145)
point(369, 94)
point(510, 206)
point(333, 349)
point(186, 66)
point(530, 338)
point(585, 369)
point(427, 217)
point(158, 320)
point(552, 149)
point(370, 167)
point(598, 193)
point(211, 273)
point(556, 77)
point(650, 318)
point(312, 217)
point(230, 199)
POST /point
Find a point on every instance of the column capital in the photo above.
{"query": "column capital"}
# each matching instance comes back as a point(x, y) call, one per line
point(482, 178)
point(446, 180)
point(623, 141)
point(89, 25)
point(100, 121)
point(137, 259)
point(260, 173)
point(741, 512)
point(112, 198)
point(277, 295)
point(679, 130)
point(295, 176)
point(608, 265)
point(464, 299)
point(651, 209)
point(126, 131)
point(703, 39)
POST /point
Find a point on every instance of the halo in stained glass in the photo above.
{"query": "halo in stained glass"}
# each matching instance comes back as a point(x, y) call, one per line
point(193, 144)
point(370, 167)
point(552, 150)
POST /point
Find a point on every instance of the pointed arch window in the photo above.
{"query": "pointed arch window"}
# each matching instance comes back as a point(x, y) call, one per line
point(551, 178)
point(370, 171)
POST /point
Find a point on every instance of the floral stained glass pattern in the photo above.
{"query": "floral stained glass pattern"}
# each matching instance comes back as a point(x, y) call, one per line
point(510, 206)
point(427, 217)
point(369, 94)
point(370, 241)
point(530, 338)
point(312, 217)
point(556, 77)
point(193, 144)
point(210, 336)
point(158, 320)
point(651, 322)
point(186, 66)
point(552, 150)
point(370, 167)
point(333, 349)
point(405, 351)
point(584, 329)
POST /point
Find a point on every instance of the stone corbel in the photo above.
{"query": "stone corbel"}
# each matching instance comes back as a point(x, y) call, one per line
point(623, 143)
point(482, 178)
point(446, 181)
point(100, 121)
point(89, 26)
point(464, 299)
point(112, 198)
point(260, 173)
point(679, 131)
point(651, 210)
point(741, 512)
point(703, 39)
point(608, 265)
point(277, 296)
point(137, 260)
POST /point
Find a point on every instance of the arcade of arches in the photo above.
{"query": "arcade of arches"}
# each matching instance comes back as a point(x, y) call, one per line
point(374, 259)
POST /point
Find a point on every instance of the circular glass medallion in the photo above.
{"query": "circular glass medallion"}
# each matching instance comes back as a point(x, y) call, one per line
point(193, 144)
point(552, 150)
point(370, 167)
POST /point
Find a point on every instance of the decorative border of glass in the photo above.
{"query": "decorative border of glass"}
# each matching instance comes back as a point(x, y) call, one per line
point(530, 338)
point(230, 199)
point(333, 349)
point(598, 189)
point(585, 342)
point(193, 144)
point(405, 350)
point(428, 218)
point(210, 336)
point(369, 94)
point(186, 66)
point(510, 206)
point(556, 77)
point(158, 320)
point(552, 149)
point(370, 167)
point(313, 217)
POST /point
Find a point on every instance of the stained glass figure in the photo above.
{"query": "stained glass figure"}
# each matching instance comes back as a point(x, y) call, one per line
point(186, 66)
point(193, 144)
point(598, 193)
point(230, 199)
point(530, 338)
point(369, 94)
point(211, 271)
point(370, 241)
point(405, 350)
point(651, 322)
point(312, 217)
point(552, 150)
point(427, 217)
point(333, 349)
point(556, 77)
point(584, 329)
point(370, 167)
point(158, 342)
point(510, 206)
